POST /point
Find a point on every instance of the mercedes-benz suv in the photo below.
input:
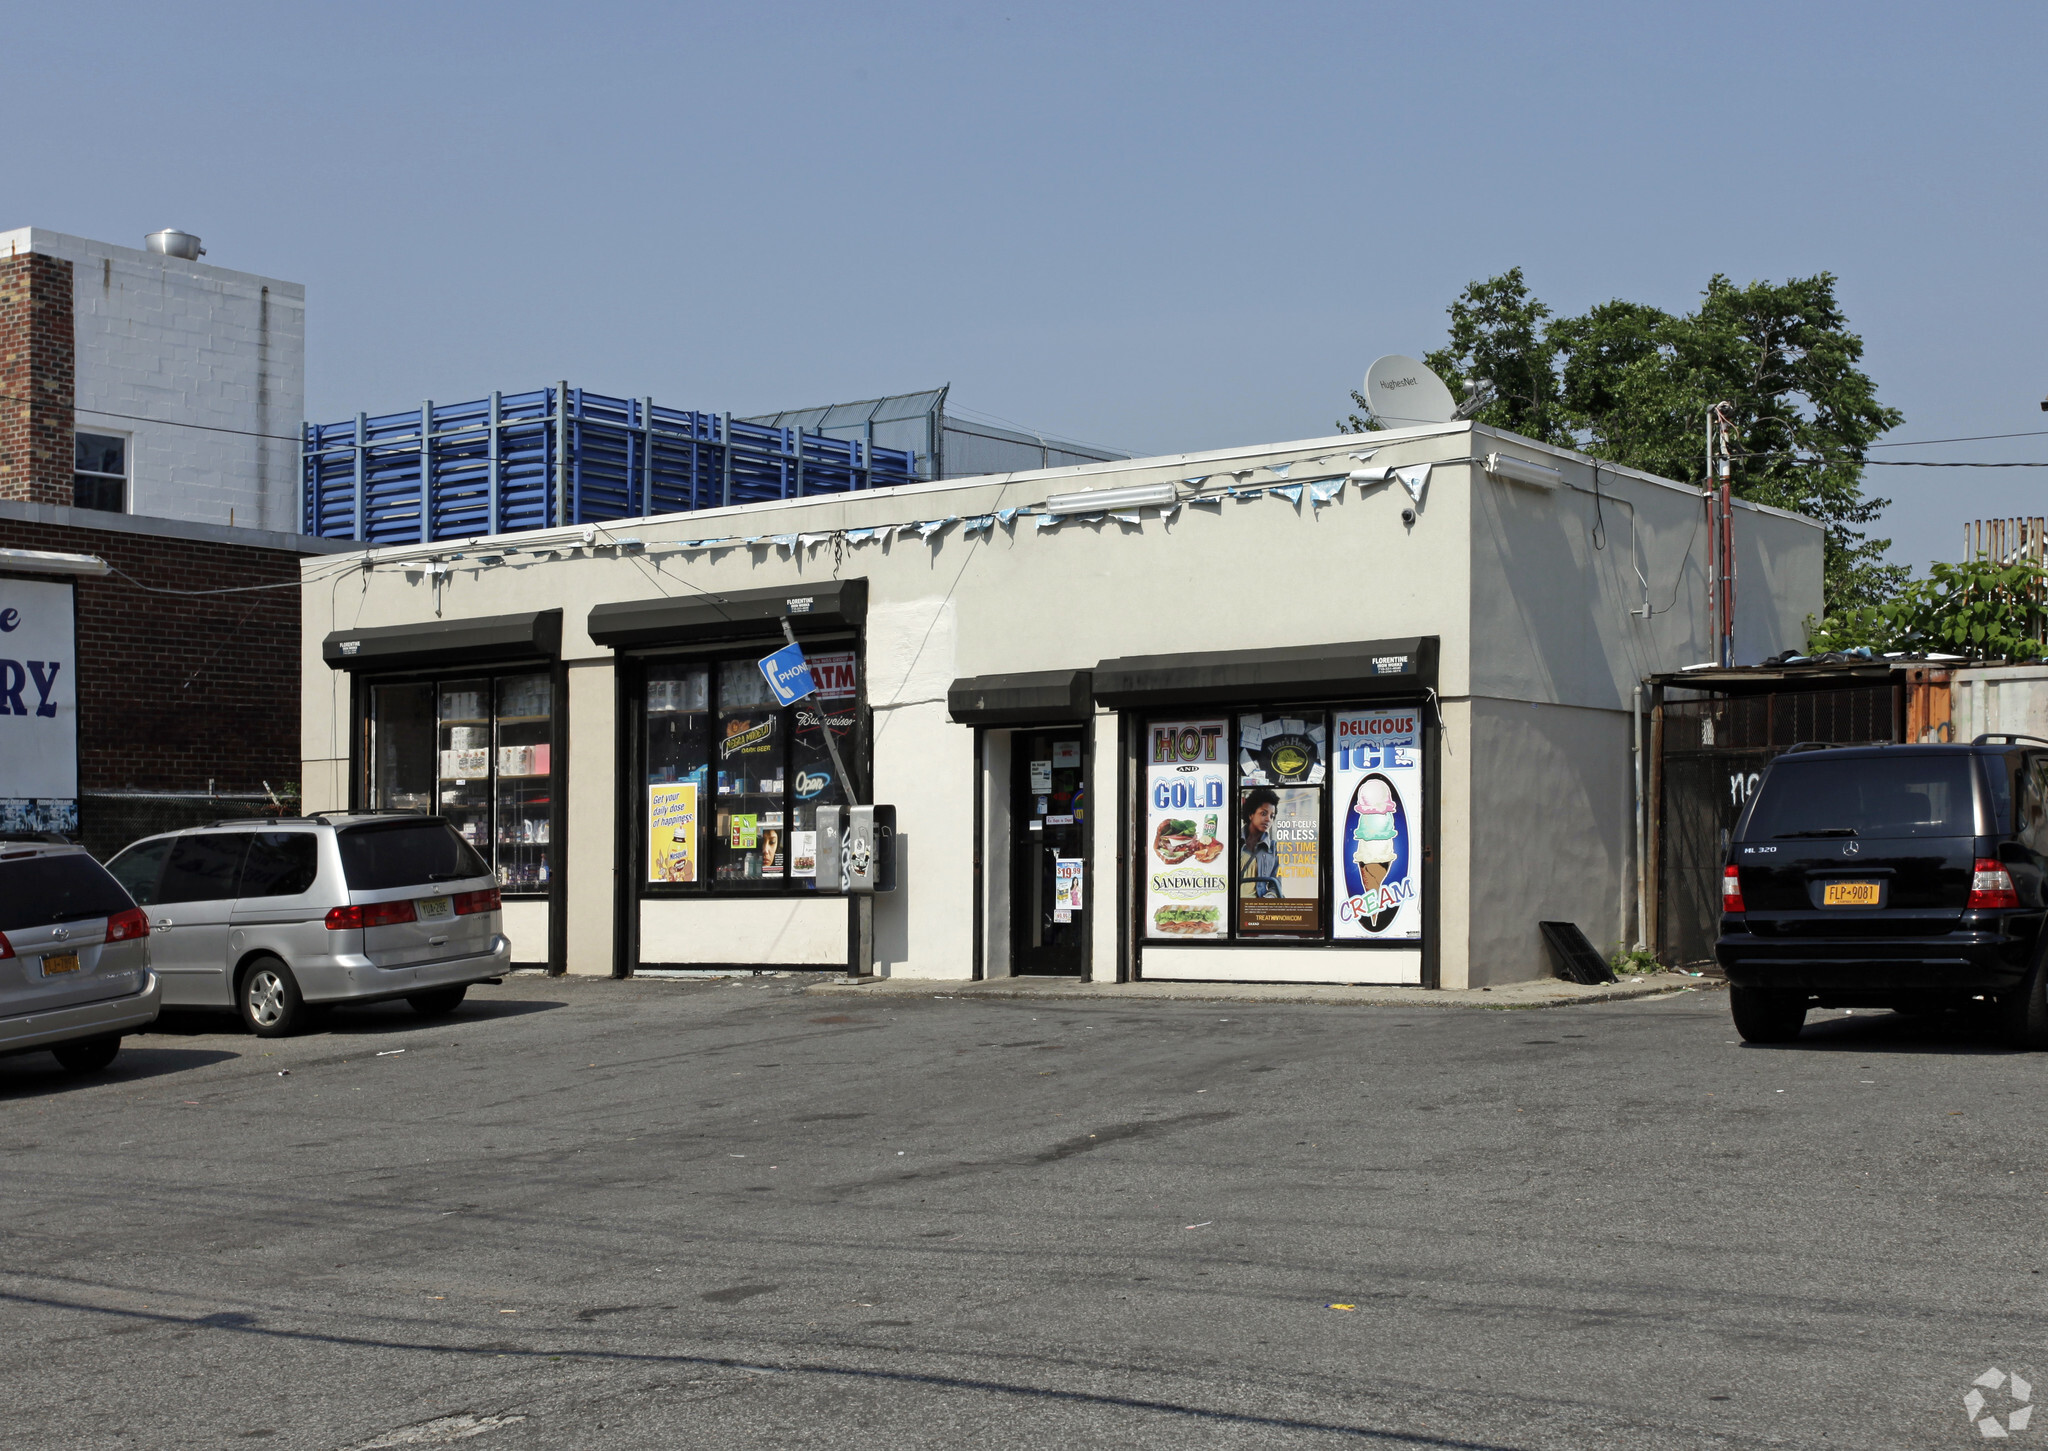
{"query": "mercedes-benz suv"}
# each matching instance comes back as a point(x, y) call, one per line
point(1903, 876)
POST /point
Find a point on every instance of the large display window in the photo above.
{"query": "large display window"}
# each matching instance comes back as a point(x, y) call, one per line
point(733, 781)
point(479, 751)
point(1291, 825)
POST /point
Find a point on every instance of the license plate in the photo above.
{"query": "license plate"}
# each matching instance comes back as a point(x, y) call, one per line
point(1849, 894)
point(58, 962)
point(433, 909)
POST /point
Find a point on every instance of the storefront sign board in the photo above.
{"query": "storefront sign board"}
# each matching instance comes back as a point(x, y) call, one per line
point(38, 707)
point(1376, 814)
point(1187, 824)
point(788, 674)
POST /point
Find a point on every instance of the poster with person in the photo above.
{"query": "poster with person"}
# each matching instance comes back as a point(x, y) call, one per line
point(1376, 814)
point(1279, 861)
point(1187, 825)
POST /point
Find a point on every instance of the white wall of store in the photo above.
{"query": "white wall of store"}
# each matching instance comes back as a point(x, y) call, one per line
point(1527, 590)
point(203, 368)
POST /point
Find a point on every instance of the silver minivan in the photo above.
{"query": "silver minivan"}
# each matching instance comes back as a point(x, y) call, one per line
point(74, 957)
point(274, 917)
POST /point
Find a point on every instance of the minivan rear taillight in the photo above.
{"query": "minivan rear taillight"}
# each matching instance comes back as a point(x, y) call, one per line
point(1731, 891)
point(1991, 886)
point(5, 949)
point(469, 903)
point(370, 914)
point(128, 926)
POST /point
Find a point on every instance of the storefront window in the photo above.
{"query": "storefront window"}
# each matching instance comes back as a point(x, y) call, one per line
point(677, 699)
point(734, 781)
point(1321, 813)
point(525, 762)
point(479, 751)
point(402, 748)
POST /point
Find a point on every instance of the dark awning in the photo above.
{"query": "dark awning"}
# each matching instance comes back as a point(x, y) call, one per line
point(1041, 695)
point(828, 607)
point(1226, 677)
point(446, 642)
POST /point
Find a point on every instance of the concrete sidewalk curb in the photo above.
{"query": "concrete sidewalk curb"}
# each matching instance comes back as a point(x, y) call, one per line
point(1548, 993)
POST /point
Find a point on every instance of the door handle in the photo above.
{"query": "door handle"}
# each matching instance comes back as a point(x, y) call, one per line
point(437, 941)
point(163, 924)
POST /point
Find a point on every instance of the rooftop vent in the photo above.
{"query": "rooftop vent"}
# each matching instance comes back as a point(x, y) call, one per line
point(173, 243)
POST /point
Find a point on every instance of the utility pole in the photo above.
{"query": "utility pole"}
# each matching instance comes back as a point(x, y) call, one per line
point(1718, 496)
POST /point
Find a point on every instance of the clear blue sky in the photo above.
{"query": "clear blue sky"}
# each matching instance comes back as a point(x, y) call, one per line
point(1153, 226)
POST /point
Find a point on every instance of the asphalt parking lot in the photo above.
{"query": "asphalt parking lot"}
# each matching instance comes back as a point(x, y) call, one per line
point(595, 1214)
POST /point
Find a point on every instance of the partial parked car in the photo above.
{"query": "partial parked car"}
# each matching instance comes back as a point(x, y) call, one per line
point(74, 957)
point(1905, 876)
point(272, 918)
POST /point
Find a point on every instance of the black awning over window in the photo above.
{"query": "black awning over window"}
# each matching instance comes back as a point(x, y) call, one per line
point(831, 606)
point(1042, 696)
point(481, 641)
point(1302, 672)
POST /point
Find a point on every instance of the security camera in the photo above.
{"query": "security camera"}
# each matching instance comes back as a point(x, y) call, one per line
point(1408, 517)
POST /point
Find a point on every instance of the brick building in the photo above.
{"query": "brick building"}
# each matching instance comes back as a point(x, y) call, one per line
point(148, 412)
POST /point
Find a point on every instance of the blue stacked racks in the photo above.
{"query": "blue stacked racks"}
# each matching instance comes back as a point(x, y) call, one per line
point(560, 456)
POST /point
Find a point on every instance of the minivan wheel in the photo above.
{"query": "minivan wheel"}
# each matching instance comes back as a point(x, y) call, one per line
point(2023, 1012)
point(270, 1000)
point(440, 1002)
point(87, 1055)
point(1764, 1017)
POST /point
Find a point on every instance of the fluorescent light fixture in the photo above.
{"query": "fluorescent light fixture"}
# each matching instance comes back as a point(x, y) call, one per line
point(38, 561)
point(1521, 471)
point(1095, 501)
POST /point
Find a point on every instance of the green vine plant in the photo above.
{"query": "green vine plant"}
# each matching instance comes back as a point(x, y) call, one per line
point(1980, 610)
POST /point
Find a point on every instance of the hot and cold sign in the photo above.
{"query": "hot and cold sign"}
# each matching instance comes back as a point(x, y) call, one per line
point(38, 706)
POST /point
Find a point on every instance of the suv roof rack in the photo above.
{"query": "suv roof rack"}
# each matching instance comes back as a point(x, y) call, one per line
point(322, 816)
point(1797, 746)
point(2011, 738)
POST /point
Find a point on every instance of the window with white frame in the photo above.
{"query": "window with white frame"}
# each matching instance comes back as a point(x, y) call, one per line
point(99, 472)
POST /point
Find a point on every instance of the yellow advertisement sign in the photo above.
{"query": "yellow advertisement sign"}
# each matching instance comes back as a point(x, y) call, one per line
point(672, 832)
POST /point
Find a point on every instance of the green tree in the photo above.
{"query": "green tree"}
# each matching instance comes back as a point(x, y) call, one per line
point(1632, 384)
point(1982, 609)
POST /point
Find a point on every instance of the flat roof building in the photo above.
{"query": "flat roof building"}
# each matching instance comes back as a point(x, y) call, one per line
point(1349, 709)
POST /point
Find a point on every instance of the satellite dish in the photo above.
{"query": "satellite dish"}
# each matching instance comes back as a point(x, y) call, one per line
point(1401, 391)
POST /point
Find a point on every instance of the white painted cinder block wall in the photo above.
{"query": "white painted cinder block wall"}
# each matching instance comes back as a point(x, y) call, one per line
point(163, 343)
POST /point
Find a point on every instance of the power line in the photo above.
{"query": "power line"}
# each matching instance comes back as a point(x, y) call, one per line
point(1973, 438)
point(144, 418)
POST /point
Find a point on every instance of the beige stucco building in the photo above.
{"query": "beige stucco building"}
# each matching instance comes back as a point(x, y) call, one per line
point(1353, 709)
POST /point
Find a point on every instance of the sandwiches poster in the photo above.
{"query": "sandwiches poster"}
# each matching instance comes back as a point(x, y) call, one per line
point(1376, 815)
point(1187, 826)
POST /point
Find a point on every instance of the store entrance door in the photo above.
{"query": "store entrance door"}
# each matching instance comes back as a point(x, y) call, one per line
point(1050, 894)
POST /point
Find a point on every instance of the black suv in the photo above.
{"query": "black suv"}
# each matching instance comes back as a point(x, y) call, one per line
point(1905, 877)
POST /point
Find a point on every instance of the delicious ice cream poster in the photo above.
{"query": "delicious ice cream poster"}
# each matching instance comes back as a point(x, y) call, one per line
point(1375, 861)
point(1187, 829)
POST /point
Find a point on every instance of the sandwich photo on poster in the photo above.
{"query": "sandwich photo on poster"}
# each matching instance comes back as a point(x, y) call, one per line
point(1187, 825)
point(1376, 874)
